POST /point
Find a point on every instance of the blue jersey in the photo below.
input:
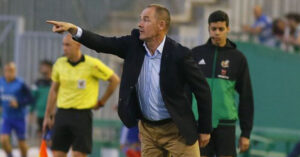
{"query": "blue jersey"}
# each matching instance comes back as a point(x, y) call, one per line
point(15, 90)
point(129, 135)
point(266, 24)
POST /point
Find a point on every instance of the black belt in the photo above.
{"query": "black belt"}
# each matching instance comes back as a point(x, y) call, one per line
point(227, 122)
point(74, 110)
point(159, 122)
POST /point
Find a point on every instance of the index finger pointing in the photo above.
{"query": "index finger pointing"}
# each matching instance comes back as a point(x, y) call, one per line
point(52, 22)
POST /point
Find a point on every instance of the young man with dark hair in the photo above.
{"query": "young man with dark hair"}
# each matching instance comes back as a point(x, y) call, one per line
point(40, 91)
point(293, 22)
point(226, 71)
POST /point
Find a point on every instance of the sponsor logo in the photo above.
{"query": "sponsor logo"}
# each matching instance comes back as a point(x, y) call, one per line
point(7, 97)
point(224, 77)
point(202, 62)
point(81, 84)
point(223, 74)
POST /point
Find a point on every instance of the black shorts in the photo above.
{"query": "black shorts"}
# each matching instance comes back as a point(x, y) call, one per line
point(222, 142)
point(72, 128)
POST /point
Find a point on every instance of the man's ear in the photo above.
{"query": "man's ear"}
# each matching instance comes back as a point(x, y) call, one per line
point(162, 25)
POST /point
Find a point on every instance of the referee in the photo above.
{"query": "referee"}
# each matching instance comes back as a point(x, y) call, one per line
point(75, 89)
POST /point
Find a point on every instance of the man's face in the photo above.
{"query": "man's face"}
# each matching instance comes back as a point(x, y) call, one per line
point(9, 72)
point(257, 11)
point(281, 25)
point(218, 32)
point(45, 70)
point(148, 24)
point(70, 46)
point(291, 23)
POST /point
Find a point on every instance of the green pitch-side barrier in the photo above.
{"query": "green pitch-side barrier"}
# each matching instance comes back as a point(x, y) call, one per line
point(106, 135)
point(265, 140)
point(275, 76)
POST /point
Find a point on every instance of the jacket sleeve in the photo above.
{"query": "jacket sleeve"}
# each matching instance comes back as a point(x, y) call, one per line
point(201, 90)
point(246, 103)
point(112, 45)
point(26, 98)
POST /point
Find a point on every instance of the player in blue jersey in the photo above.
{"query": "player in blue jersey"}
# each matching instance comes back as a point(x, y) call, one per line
point(130, 141)
point(14, 97)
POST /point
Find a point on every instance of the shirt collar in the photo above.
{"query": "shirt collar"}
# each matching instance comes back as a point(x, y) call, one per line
point(159, 48)
point(82, 59)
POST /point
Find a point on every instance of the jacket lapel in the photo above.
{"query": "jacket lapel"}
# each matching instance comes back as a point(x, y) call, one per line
point(165, 55)
point(140, 55)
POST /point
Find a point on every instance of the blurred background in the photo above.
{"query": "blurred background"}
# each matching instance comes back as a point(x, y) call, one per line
point(272, 51)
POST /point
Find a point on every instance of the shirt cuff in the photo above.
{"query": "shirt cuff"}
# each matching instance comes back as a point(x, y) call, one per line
point(246, 133)
point(79, 33)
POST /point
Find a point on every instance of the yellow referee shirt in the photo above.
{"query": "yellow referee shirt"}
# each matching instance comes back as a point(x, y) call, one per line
point(79, 84)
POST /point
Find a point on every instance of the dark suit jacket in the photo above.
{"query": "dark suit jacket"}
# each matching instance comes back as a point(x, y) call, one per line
point(178, 69)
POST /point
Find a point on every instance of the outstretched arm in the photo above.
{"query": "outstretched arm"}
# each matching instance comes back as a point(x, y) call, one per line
point(61, 27)
point(112, 45)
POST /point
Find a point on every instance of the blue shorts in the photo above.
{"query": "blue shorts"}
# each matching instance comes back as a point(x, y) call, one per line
point(18, 125)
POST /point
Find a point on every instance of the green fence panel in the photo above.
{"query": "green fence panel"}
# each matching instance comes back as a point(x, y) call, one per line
point(275, 77)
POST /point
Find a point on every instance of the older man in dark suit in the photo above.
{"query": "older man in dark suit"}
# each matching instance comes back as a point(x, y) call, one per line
point(156, 71)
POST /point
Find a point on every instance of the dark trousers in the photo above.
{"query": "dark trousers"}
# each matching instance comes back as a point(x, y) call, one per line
point(296, 151)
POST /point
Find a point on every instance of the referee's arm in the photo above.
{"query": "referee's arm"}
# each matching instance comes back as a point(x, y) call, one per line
point(51, 104)
point(114, 81)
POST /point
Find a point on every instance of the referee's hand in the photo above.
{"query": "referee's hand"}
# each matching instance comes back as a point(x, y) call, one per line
point(99, 105)
point(61, 27)
point(48, 123)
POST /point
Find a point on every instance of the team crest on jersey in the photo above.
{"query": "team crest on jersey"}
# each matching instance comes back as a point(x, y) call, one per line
point(225, 63)
point(81, 84)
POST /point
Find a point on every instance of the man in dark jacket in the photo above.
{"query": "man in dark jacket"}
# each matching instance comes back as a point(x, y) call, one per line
point(227, 72)
point(155, 73)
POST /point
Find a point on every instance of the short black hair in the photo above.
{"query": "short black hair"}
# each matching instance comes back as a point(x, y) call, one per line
point(275, 29)
point(46, 62)
point(293, 16)
point(218, 16)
